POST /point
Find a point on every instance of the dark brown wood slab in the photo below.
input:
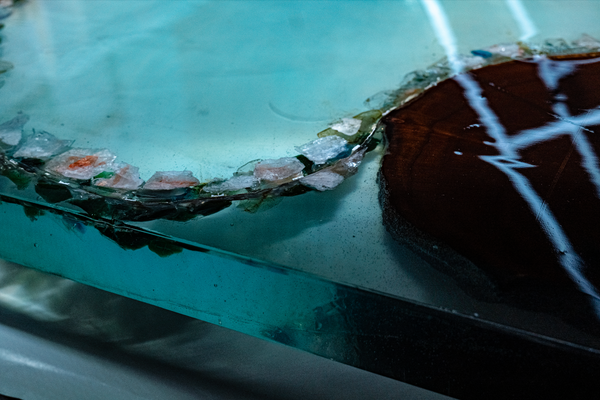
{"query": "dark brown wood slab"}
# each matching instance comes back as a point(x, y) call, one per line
point(434, 179)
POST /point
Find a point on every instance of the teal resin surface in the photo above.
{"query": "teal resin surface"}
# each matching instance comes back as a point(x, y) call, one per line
point(209, 86)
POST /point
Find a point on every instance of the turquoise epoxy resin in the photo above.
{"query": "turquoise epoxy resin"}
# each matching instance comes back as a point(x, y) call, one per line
point(221, 159)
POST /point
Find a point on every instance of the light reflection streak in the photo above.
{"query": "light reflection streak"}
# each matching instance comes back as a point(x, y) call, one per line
point(520, 14)
point(19, 359)
point(443, 32)
point(554, 129)
point(508, 159)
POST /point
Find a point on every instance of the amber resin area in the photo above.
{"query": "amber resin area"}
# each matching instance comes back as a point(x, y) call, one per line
point(498, 167)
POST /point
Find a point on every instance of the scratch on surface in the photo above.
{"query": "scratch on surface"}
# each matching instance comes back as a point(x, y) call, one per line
point(555, 181)
point(560, 170)
point(292, 117)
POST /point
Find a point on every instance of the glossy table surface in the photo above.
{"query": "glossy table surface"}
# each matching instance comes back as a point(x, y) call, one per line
point(209, 86)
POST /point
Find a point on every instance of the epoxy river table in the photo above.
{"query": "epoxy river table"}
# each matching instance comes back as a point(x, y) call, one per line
point(266, 235)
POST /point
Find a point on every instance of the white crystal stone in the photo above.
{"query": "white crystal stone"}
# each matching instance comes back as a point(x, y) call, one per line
point(470, 62)
point(11, 137)
point(380, 99)
point(349, 166)
point(277, 170)
point(322, 180)
point(125, 177)
point(168, 180)
point(42, 145)
point(231, 185)
point(82, 163)
point(506, 50)
point(10, 131)
point(323, 149)
point(586, 40)
point(348, 126)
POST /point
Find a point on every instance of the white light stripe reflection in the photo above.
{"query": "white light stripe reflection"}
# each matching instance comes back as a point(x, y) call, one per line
point(589, 159)
point(443, 32)
point(552, 71)
point(530, 137)
point(19, 359)
point(507, 162)
point(487, 117)
point(520, 14)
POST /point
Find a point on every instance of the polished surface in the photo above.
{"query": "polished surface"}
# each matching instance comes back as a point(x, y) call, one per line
point(77, 342)
point(210, 86)
point(511, 199)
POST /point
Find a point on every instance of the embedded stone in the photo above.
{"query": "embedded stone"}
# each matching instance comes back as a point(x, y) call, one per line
point(169, 180)
point(285, 168)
